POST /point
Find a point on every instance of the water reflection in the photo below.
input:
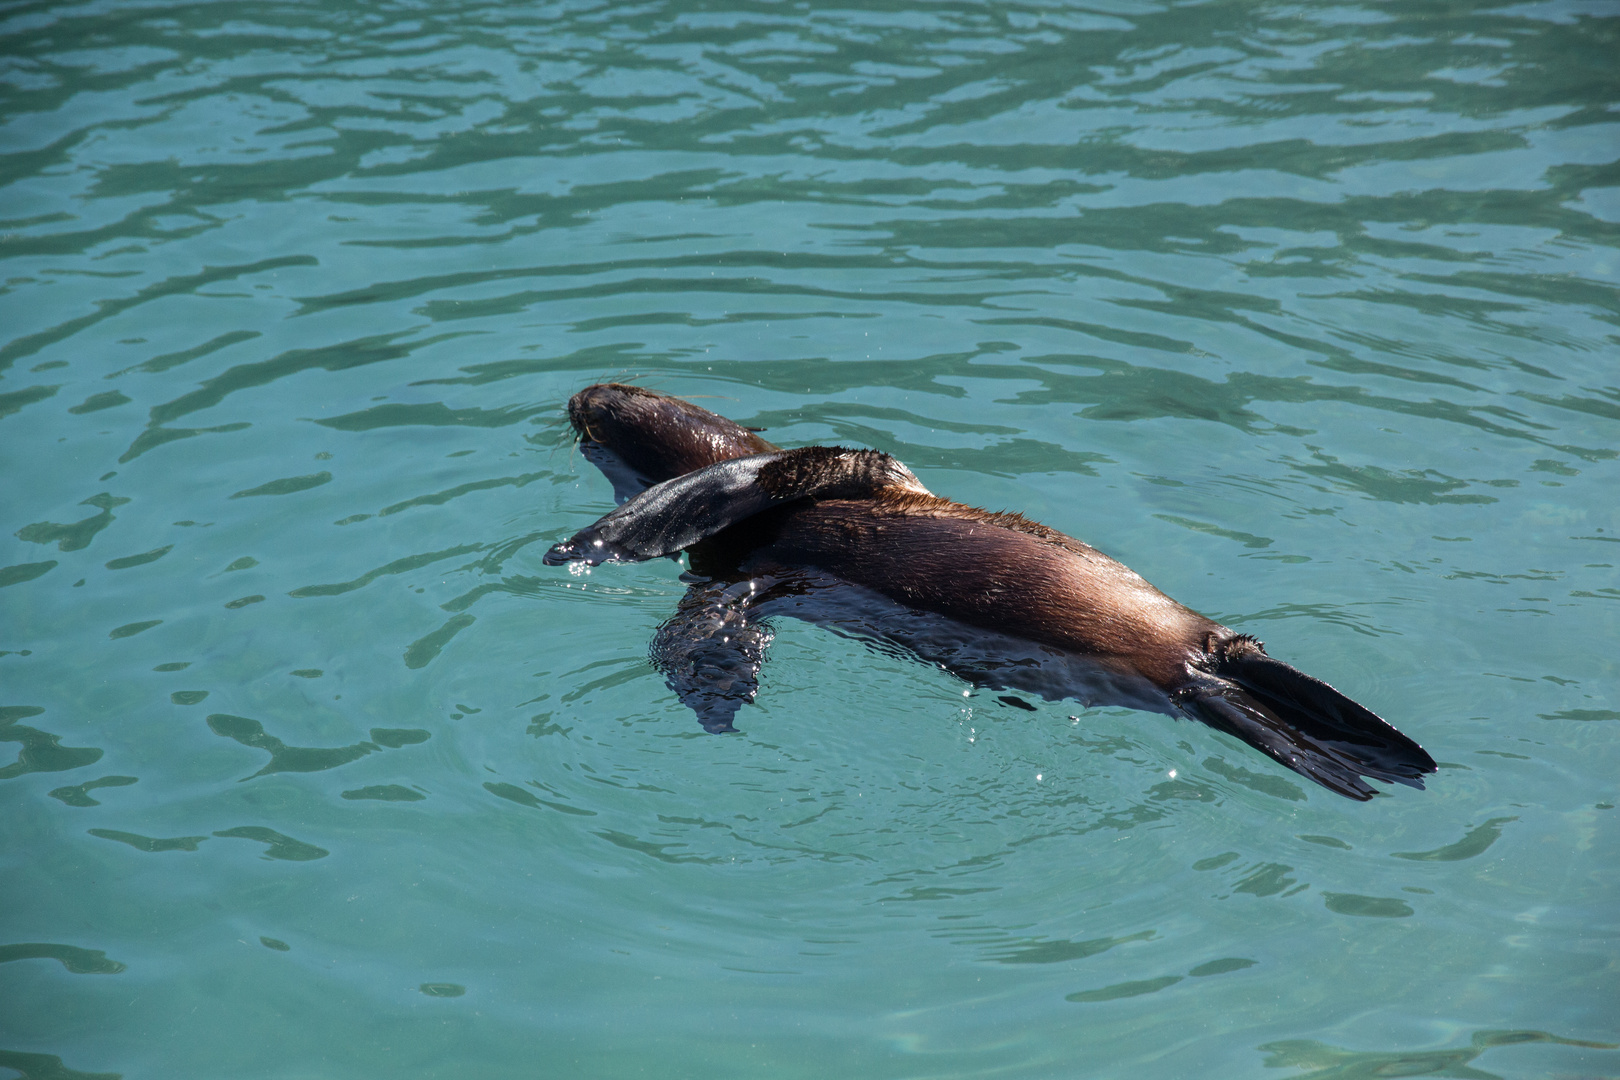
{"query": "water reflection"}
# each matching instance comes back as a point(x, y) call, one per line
point(1336, 1063)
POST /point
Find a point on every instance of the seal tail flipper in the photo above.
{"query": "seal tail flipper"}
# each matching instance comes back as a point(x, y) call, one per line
point(672, 516)
point(1303, 723)
point(711, 649)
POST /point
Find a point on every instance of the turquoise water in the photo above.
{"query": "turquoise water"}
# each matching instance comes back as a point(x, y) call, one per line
point(1308, 313)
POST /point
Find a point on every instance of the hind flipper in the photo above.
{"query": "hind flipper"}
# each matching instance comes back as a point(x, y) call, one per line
point(1302, 722)
point(711, 649)
point(1232, 711)
point(669, 517)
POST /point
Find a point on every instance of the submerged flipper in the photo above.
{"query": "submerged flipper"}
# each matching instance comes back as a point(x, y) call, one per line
point(1302, 722)
point(672, 516)
point(711, 649)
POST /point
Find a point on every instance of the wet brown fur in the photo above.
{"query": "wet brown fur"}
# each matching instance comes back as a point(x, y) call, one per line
point(619, 417)
point(1025, 580)
point(832, 472)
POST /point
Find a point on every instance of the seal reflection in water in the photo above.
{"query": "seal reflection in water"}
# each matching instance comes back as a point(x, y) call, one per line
point(851, 540)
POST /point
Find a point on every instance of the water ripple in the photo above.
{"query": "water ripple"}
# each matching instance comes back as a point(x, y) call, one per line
point(1307, 312)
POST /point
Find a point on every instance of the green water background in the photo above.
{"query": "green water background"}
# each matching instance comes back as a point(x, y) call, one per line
point(1307, 312)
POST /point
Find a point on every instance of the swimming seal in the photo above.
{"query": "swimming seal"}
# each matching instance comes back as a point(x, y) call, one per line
point(850, 539)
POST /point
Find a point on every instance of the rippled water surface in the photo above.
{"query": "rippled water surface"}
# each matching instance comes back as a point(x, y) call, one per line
point(1306, 312)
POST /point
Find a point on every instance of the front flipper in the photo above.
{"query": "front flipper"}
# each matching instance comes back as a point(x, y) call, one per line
point(672, 516)
point(711, 649)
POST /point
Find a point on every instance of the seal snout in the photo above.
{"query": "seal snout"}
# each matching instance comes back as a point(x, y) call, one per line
point(656, 436)
point(592, 409)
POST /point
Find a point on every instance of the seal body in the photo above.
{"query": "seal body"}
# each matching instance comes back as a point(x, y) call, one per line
point(853, 541)
point(997, 572)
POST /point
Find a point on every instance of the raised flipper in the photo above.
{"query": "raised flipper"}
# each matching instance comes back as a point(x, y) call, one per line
point(1301, 722)
point(711, 649)
point(672, 516)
